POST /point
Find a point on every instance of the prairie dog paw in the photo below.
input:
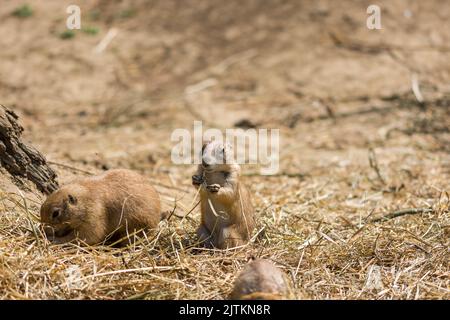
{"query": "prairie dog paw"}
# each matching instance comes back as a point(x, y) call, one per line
point(213, 188)
point(197, 180)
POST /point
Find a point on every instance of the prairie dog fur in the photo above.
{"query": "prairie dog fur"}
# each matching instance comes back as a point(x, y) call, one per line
point(227, 214)
point(99, 208)
point(260, 280)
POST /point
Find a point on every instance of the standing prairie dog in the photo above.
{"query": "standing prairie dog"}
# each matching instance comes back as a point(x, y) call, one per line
point(227, 214)
point(106, 207)
point(260, 280)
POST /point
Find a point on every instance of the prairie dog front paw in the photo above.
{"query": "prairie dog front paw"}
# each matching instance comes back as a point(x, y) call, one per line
point(197, 180)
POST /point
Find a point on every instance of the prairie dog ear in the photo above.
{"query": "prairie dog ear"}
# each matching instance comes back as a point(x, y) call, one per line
point(72, 199)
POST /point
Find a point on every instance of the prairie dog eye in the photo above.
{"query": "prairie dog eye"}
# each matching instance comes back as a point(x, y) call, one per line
point(56, 213)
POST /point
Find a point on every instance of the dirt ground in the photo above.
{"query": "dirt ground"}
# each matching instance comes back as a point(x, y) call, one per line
point(311, 69)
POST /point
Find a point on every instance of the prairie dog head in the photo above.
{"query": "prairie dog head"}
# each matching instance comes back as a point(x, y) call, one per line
point(260, 279)
point(61, 212)
point(218, 156)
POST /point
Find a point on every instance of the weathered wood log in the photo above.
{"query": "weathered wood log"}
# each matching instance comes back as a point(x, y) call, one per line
point(21, 160)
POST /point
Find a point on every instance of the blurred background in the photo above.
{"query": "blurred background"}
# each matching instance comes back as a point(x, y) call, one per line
point(311, 68)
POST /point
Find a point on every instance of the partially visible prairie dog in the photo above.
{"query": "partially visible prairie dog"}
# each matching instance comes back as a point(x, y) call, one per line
point(227, 219)
point(260, 280)
point(95, 209)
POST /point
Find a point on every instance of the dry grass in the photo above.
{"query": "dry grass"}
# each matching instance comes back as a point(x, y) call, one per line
point(326, 243)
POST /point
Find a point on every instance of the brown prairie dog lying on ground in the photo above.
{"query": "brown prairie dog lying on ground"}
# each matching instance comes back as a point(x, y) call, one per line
point(260, 280)
point(227, 219)
point(105, 207)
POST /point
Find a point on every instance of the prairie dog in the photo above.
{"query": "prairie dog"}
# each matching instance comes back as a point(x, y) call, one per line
point(260, 280)
point(227, 214)
point(100, 208)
